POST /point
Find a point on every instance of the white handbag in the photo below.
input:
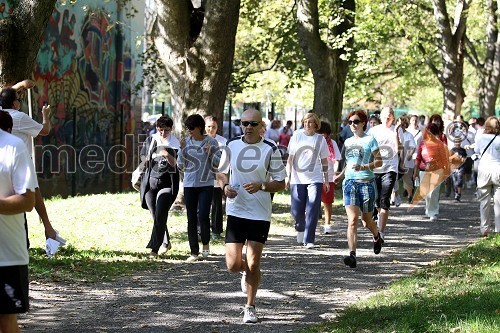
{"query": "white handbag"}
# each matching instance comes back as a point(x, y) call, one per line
point(137, 177)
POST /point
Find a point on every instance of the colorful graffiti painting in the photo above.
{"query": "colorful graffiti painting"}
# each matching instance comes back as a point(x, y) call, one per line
point(84, 71)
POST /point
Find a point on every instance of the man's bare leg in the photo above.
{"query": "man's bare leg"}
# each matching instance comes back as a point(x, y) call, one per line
point(8, 323)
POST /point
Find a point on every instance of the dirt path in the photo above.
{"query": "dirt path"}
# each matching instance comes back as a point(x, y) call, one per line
point(299, 287)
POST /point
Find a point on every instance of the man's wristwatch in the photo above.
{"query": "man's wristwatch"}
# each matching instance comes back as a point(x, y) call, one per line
point(263, 186)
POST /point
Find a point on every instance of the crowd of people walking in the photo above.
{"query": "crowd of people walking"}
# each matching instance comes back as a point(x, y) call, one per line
point(377, 160)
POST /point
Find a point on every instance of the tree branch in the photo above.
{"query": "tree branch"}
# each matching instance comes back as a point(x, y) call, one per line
point(443, 24)
point(471, 54)
point(429, 63)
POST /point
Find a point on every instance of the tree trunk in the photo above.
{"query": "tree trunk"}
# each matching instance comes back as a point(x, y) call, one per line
point(197, 48)
point(328, 65)
point(490, 70)
point(452, 82)
point(21, 36)
point(451, 43)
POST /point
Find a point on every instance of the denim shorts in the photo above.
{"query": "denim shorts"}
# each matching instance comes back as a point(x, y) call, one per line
point(361, 194)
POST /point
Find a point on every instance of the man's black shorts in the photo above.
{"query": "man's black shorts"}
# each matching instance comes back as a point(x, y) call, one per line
point(14, 287)
point(239, 230)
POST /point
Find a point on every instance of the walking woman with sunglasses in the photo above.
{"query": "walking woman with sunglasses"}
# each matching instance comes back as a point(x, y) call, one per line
point(199, 159)
point(307, 170)
point(362, 156)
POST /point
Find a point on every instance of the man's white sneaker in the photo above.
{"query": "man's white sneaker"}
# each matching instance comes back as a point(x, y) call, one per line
point(249, 314)
point(310, 246)
point(300, 237)
point(433, 218)
point(243, 282)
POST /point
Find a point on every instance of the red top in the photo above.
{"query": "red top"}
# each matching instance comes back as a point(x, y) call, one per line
point(432, 153)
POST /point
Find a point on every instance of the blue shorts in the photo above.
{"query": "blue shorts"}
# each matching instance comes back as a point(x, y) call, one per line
point(361, 194)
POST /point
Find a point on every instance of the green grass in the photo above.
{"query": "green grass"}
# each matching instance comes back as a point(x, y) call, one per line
point(460, 293)
point(107, 236)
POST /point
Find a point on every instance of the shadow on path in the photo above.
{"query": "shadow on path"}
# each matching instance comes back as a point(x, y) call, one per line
point(299, 287)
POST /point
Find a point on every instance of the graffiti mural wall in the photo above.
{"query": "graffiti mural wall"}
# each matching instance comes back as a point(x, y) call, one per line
point(86, 68)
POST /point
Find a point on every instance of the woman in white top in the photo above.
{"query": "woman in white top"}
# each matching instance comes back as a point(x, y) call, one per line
point(307, 170)
point(488, 174)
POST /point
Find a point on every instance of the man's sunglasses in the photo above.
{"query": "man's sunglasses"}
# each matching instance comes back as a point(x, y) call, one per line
point(355, 122)
point(190, 128)
point(253, 123)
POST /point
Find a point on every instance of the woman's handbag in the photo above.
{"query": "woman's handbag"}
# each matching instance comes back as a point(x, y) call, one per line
point(137, 175)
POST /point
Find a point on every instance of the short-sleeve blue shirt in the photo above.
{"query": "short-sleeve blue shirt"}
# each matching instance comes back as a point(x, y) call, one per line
point(359, 151)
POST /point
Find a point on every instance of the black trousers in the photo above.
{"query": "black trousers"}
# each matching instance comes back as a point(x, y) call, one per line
point(159, 199)
point(198, 201)
point(216, 217)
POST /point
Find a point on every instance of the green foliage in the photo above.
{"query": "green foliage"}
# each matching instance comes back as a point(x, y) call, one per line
point(458, 294)
point(267, 40)
point(154, 72)
point(388, 64)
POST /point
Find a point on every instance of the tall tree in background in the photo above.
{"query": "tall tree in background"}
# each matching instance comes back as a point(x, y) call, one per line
point(20, 36)
point(196, 45)
point(451, 43)
point(488, 69)
point(328, 59)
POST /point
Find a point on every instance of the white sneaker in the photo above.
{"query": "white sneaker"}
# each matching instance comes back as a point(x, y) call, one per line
point(300, 237)
point(327, 229)
point(249, 314)
point(310, 246)
point(433, 218)
point(192, 258)
point(205, 253)
point(397, 200)
point(243, 282)
point(164, 248)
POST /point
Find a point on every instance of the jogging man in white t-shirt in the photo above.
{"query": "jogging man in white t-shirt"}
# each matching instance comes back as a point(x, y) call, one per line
point(17, 195)
point(251, 161)
point(389, 139)
point(26, 129)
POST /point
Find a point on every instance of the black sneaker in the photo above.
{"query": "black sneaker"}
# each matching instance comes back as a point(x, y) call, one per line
point(377, 244)
point(350, 261)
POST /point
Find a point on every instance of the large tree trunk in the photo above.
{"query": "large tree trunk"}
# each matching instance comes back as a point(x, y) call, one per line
point(197, 48)
point(489, 70)
point(20, 38)
point(328, 65)
point(451, 43)
point(452, 81)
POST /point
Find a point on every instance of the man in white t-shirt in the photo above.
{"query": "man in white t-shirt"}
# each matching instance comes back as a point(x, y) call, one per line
point(216, 215)
point(17, 195)
point(389, 139)
point(26, 129)
point(409, 149)
point(251, 162)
